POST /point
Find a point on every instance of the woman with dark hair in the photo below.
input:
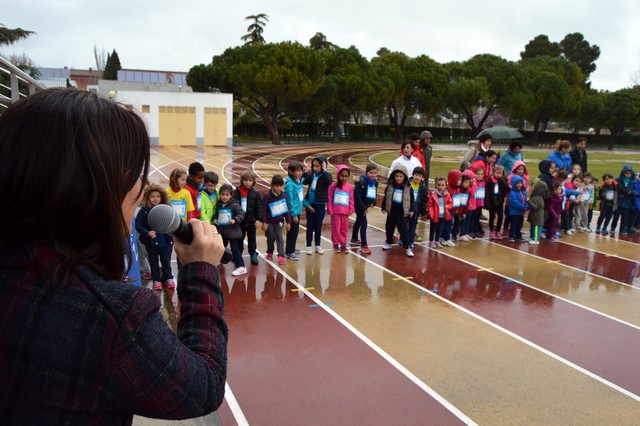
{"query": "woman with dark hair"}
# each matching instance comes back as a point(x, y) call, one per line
point(561, 156)
point(79, 345)
point(513, 154)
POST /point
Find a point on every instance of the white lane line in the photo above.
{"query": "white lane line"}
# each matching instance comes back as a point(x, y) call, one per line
point(600, 251)
point(234, 406)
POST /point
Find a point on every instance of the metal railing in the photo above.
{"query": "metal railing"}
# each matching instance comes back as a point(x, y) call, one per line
point(10, 94)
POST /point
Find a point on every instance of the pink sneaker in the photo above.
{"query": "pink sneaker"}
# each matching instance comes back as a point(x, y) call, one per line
point(498, 236)
point(492, 235)
point(280, 260)
point(170, 284)
point(269, 256)
point(157, 285)
point(146, 275)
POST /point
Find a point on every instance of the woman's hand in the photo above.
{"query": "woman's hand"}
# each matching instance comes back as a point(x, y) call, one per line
point(207, 244)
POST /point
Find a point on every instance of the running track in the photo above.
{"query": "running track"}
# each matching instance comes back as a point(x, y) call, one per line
point(482, 333)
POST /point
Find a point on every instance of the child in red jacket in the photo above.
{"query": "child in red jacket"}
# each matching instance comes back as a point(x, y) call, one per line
point(439, 205)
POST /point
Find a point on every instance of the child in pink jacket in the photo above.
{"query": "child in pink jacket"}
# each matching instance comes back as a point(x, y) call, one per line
point(340, 206)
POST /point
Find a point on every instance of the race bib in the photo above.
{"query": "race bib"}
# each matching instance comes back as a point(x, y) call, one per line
point(456, 200)
point(415, 194)
point(180, 207)
point(199, 202)
point(314, 183)
point(586, 197)
point(243, 203)
point(371, 192)
point(480, 194)
point(300, 194)
point(608, 195)
point(441, 206)
point(397, 195)
point(224, 217)
point(278, 207)
point(496, 188)
point(464, 199)
point(341, 198)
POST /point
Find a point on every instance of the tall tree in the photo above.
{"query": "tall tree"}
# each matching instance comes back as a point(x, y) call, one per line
point(112, 66)
point(417, 84)
point(11, 35)
point(320, 42)
point(540, 46)
point(578, 50)
point(100, 57)
point(262, 75)
point(255, 30)
point(621, 110)
point(480, 86)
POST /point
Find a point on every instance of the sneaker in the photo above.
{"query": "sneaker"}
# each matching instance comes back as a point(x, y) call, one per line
point(254, 258)
point(438, 244)
point(319, 250)
point(465, 238)
point(386, 246)
point(623, 231)
point(292, 256)
point(512, 240)
point(598, 230)
point(269, 256)
point(146, 275)
point(587, 229)
point(355, 242)
point(157, 285)
point(418, 239)
point(492, 235)
point(412, 245)
point(239, 271)
point(605, 231)
point(365, 250)
point(447, 243)
point(297, 251)
point(534, 242)
point(170, 284)
point(309, 250)
point(336, 248)
point(553, 239)
point(432, 244)
point(281, 260)
point(570, 232)
point(345, 249)
point(409, 252)
point(498, 236)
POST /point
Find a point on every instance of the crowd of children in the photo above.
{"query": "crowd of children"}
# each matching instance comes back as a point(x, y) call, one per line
point(557, 198)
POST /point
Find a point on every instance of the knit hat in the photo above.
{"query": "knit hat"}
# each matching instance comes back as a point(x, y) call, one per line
point(425, 134)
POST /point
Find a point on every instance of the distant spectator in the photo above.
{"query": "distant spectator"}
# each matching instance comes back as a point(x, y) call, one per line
point(476, 147)
point(579, 153)
point(425, 144)
point(561, 155)
point(513, 154)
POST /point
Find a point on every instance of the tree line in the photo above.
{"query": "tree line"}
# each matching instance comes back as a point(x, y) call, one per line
point(283, 82)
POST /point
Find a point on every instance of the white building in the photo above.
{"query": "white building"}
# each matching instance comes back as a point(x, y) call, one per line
point(174, 114)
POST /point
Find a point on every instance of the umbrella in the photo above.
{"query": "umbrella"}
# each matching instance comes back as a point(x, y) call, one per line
point(502, 132)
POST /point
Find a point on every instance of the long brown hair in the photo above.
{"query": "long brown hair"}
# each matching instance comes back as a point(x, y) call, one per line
point(68, 158)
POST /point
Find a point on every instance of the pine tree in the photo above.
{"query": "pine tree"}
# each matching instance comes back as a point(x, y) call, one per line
point(112, 66)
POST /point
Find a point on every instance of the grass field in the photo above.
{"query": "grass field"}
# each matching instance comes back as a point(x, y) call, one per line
point(599, 162)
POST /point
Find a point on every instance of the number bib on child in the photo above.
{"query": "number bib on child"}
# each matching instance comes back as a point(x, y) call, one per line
point(456, 200)
point(300, 194)
point(441, 206)
point(278, 208)
point(314, 183)
point(397, 195)
point(480, 194)
point(464, 199)
point(608, 195)
point(180, 207)
point(224, 217)
point(371, 192)
point(496, 188)
point(341, 198)
point(243, 203)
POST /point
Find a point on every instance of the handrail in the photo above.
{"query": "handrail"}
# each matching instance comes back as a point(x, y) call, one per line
point(16, 75)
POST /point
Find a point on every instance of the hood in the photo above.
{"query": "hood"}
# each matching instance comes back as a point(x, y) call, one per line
point(452, 177)
point(515, 179)
point(398, 168)
point(539, 187)
point(322, 159)
point(627, 168)
point(474, 144)
point(544, 166)
point(469, 173)
point(521, 163)
point(340, 168)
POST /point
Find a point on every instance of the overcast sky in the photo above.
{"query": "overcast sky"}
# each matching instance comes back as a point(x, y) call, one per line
point(175, 35)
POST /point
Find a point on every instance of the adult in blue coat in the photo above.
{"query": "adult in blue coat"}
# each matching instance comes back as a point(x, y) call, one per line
point(513, 154)
point(561, 156)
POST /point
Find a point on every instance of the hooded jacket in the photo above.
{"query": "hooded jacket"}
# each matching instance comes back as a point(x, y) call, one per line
point(475, 149)
point(253, 205)
point(536, 203)
point(471, 204)
point(433, 206)
point(293, 188)
point(517, 198)
point(563, 161)
point(625, 188)
point(545, 176)
point(602, 194)
point(508, 159)
point(360, 199)
point(336, 208)
point(524, 177)
point(494, 198)
point(407, 196)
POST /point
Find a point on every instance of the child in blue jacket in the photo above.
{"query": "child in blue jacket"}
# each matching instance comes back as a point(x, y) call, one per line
point(517, 207)
point(294, 192)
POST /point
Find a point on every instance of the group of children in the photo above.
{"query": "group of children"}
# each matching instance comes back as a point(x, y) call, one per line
point(453, 208)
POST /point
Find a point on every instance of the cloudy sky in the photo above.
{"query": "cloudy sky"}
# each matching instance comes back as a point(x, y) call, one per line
point(175, 35)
